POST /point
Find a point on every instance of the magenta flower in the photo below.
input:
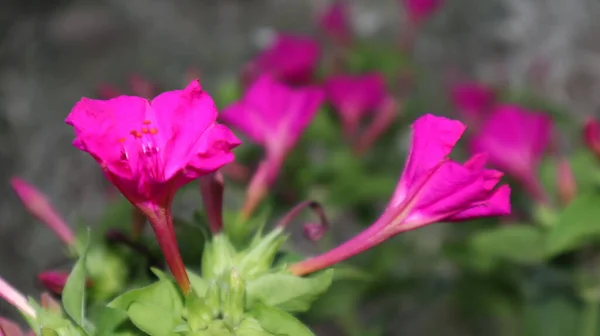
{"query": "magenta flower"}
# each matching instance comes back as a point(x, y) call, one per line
point(274, 116)
point(432, 189)
point(335, 23)
point(354, 97)
point(591, 136)
point(420, 10)
point(55, 281)
point(39, 206)
point(149, 149)
point(516, 140)
point(291, 59)
point(472, 100)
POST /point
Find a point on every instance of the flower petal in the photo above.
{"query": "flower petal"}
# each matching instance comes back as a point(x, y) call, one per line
point(432, 141)
point(497, 204)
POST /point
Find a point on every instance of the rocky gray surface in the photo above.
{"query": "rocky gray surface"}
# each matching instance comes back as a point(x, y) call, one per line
point(52, 53)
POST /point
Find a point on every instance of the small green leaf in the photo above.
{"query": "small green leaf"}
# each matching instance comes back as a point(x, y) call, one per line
point(162, 294)
point(278, 322)
point(288, 292)
point(153, 320)
point(73, 296)
point(517, 243)
point(108, 321)
point(251, 327)
point(198, 283)
point(199, 315)
point(577, 224)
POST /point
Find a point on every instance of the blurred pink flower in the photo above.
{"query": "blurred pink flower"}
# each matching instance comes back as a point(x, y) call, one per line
point(355, 96)
point(591, 136)
point(291, 59)
point(567, 185)
point(16, 299)
point(10, 328)
point(472, 100)
point(432, 188)
point(335, 23)
point(39, 206)
point(516, 140)
point(420, 10)
point(55, 281)
point(149, 149)
point(274, 116)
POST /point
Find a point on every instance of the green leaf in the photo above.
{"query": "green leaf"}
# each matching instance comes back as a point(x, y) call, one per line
point(251, 327)
point(278, 322)
point(518, 243)
point(153, 320)
point(73, 295)
point(288, 292)
point(198, 283)
point(161, 294)
point(553, 316)
point(578, 223)
point(108, 321)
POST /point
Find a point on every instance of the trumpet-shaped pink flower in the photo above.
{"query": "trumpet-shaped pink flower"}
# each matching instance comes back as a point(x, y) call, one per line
point(432, 188)
point(420, 10)
point(149, 149)
point(334, 22)
point(516, 140)
point(354, 96)
point(473, 99)
point(38, 205)
point(291, 59)
point(274, 116)
point(16, 299)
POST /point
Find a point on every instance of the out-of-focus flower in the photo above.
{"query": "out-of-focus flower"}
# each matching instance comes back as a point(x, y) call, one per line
point(335, 23)
point(567, 185)
point(16, 299)
point(516, 140)
point(591, 136)
point(211, 188)
point(10, 328)
point(291, 59)
point(355, 96)
point(473, 100)
point(55, 281)
point(432, 188)
point(38, 205)
point(419, 11)
point(138, 85)
point(274, 116)
point(149, 149)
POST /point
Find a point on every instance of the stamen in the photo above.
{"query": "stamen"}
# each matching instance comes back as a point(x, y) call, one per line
point(146, 122)
point(145, 130)
point(153, 131)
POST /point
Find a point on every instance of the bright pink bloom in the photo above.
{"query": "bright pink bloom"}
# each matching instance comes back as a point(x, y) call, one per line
point(55, 281)
point(335, 23)
point(149, 149)
point(274, 116)
point(291, 59)
point(516, 140)
point(432, 189)
point(473, 99)
point(355, 96)
point(420, 10)
point(38, 205)
point(591, 136)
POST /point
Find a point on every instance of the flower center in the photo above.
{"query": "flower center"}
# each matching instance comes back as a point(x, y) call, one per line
point(147, 149)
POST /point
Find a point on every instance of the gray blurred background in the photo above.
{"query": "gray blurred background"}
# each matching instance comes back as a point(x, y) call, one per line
point(54, 52)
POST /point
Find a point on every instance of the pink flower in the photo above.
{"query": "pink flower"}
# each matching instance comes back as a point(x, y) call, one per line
point(567, 185)
point(291, 59)
point(334, 22)
point(591, 136)
point(473, 99)
point(420, 10)
point(38, 205)
point(55, 281)
point(149, 149)
point(516, 140)
point(16, 299)
point(274, 116)
point(355, 96)
point(10, 328)
point(432, 188)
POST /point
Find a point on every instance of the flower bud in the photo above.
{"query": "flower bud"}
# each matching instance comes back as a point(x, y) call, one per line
point(314, 231)
point(235, 300)
point(591, 136)
point(567, 186)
